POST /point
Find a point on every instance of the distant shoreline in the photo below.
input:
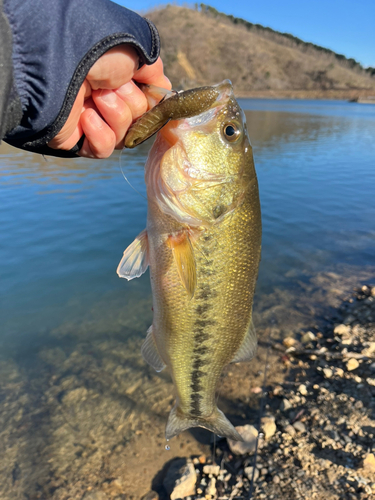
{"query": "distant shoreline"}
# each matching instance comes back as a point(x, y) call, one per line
point(357, 95)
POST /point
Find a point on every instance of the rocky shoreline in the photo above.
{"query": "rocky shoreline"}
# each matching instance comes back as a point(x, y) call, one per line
point(317, 430)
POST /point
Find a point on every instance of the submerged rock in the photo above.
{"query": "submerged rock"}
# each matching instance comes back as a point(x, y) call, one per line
point(180, 479)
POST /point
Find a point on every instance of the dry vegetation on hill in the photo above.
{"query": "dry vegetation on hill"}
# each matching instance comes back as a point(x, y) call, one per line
point(202, 46)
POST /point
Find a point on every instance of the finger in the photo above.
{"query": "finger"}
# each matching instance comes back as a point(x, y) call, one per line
point(153, 75)
point(114, 68)
point(115, 112)
point(100, 139)
point(71, 132)
point(134, 98)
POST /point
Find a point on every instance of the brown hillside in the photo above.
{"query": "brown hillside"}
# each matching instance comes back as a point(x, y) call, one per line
point(200, 48)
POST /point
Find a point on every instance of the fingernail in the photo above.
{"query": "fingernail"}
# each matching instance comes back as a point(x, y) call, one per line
point(126, 89)
point(95, 119)
point(108, 97)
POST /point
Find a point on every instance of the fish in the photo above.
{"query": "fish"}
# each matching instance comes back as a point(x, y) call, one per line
point(202, 244)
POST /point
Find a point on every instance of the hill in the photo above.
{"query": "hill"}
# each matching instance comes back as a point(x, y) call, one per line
point(203, 46)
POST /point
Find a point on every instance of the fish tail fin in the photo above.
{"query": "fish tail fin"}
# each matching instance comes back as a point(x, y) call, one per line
point(216, 423)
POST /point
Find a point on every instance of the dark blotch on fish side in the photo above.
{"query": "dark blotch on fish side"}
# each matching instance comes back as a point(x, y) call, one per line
point(203, 308)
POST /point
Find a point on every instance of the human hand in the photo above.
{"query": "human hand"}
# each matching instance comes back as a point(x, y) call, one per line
point(108, 102)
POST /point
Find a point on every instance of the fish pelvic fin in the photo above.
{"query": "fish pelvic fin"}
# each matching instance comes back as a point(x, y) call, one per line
point(216, 423)
point(150, 352)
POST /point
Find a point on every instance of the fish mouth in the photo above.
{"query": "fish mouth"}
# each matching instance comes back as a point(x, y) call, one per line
point(169, 132)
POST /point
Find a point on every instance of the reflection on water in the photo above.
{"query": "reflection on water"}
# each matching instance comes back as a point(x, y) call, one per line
point(73, 387)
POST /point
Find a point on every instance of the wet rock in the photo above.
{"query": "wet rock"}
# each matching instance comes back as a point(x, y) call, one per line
point(342, 330)
point(290, 342)
point(352, 364)
point(180, 479)
point(369, 463)
point(285, 405)
point(276, 479)
point(268, 427)
point(249, 435)
point(339, 372)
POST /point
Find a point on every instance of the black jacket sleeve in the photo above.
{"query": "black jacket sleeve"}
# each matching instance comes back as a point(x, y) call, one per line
point(54, 44)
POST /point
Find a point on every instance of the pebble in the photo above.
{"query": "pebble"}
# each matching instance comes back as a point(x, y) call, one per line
point(327, 372)
point(299, 426)
point(249, 435)
point(339, 372)
point(290, 430)
point(289, 342)
point(276, 479)
point(302, 389)
point(308, 337)
point(268, 426)
point(249, 473)
point(180, 479)
point(285, 405)
point(352, 364)
point(211, 488)
point(211, 469)
point(342, 330)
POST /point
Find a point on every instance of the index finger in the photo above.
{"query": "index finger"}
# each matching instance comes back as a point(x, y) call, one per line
point(153, 75)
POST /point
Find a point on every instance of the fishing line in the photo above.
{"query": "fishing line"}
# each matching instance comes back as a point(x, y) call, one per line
point(140, 194)
point(261, 410)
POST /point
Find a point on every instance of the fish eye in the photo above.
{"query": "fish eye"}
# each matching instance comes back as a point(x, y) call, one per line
point(231, 132)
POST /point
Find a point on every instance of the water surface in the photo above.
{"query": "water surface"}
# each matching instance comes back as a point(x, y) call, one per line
point(71, 330)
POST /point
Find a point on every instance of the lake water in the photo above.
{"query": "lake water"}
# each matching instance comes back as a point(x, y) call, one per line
point(71, 329)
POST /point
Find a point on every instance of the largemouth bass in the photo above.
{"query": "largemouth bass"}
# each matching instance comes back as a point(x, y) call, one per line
point(202, 243)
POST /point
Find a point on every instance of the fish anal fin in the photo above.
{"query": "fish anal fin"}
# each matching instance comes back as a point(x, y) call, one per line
point(248, 347)
point(134, 262)
point(216, 423)
point(184, 259)
point(150, 352)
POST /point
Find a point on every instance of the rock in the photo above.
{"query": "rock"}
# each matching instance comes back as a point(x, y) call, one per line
point(249, 473)
point(211, 469)
point(211, 488)
point(352, 364)
point(327, 372)
point(276, 479)
point(302, 389)
point(285, 405)
point(95, 495)
point(370, 381)
point(249, 435)
point(268, 427)
point(151, 495)
point(342, 330)
point(349, 319)
point(180, 479)
point(308, 337)
point(290, 430)
point(339, 372)
point(369, 463)
point(373, 291)
point(299, 426)
point(289, 342)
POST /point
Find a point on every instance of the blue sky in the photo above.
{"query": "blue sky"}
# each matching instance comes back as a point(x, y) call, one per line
point(345, 26)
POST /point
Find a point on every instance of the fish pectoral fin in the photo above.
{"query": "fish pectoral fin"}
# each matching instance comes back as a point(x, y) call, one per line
point(184, 259)
point(248, 347)
point(134, 262)
point(150, 352)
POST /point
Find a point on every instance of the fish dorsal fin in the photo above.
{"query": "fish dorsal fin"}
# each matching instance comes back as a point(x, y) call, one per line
point(184, 259)
point(248, 347)
point(150, 352)
point(134, 262)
